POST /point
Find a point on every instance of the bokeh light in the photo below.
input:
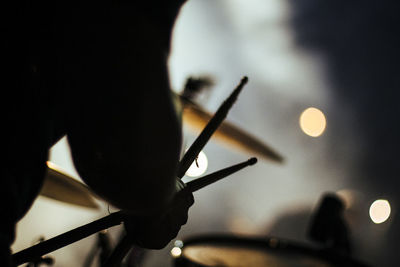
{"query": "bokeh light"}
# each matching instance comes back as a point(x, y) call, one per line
point(199, 167)
point(178, 243)
point(379, 211)
point(312, 122)
point(176, 252)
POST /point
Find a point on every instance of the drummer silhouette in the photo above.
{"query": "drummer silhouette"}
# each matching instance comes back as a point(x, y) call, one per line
point(98, 75)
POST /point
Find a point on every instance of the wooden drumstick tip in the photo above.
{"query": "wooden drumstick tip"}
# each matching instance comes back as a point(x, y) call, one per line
point(252, 161)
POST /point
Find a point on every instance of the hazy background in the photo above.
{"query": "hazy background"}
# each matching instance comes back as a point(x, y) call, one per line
point(338, 56)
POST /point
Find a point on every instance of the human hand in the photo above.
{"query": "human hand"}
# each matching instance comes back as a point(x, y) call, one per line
point(157, 231)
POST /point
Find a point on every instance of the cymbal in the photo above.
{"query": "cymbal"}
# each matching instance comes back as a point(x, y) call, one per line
point(61, 187)
point(197, 118)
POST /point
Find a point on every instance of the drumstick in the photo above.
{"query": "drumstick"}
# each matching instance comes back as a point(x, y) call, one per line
point(45, 247)
point(218, 175)
point(210, 128)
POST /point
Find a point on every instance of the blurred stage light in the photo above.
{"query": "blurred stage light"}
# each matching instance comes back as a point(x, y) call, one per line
point(198, 169)
point(176, 252)
point(178, 243)
point(312, 122)
point(379, 211)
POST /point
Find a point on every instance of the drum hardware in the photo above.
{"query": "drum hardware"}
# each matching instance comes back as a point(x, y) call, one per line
point(105, 245)
point(328, 226)
point(124, 246)
point(114, 257)
point(102, 249)
point(328, 230)
point(193, 86)
point(41, 260)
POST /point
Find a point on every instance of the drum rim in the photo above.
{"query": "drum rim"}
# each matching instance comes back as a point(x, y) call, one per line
point(273, 243)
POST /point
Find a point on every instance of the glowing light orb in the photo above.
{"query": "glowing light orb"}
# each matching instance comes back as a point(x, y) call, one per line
point(178, 243)
point(176, 252)
point(312, 122)
point(379, 211)
point(197, 169)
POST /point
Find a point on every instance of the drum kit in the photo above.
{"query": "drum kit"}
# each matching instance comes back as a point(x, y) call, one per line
point(203, 250)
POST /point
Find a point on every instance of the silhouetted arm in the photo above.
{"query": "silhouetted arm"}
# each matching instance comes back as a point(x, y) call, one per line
point(123, 129)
